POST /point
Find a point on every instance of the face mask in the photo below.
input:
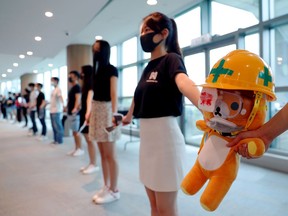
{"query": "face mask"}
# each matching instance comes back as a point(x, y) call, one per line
point(70, 79)
point(81, 77)
point(147, 43)
point(53, 84)
point(96, 56)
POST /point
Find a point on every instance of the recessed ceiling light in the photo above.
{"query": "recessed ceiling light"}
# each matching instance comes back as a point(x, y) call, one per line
point(22, 56)
point(38, 38)
point(15, 64)
point(9, 70)
point(151, 2)
point(98, 37)
point(48, 14)
point(50, 65)
point(29, 53)
point(4, 75)
point(35, 71)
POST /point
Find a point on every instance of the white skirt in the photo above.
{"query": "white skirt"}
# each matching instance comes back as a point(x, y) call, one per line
point(162, 154)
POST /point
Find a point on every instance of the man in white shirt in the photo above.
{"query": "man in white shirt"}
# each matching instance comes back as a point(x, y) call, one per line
point(56, 110)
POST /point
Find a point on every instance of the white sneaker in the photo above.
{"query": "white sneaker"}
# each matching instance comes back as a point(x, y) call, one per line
point(107, 197)
point(90, 169)
point(100, 193)
point(42, 138)
point(78, 152)
point(71, 153)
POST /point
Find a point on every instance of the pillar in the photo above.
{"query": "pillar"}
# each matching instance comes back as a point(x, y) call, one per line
point(25, 79)
point(78, 55)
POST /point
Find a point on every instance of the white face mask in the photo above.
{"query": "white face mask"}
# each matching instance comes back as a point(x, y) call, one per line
point(53, 84)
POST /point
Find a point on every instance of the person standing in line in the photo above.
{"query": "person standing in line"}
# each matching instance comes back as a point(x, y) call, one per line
point(10, 104)
point(24, 105)
point(86, 103)
point(73, 111)
point(104, 104)
point(158, 100)
point(32, 108)
point(41, 111)
point(277, 125)
point(56, 110)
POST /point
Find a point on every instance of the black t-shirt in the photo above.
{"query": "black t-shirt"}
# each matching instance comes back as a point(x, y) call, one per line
point(39, 100)
point(72, 97)
point(101, 82)
point(157, 94)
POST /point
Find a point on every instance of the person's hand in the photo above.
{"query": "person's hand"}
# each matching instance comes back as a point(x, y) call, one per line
point(242, 149)
point(87, 117)
point(126, 120)
point(74, 111)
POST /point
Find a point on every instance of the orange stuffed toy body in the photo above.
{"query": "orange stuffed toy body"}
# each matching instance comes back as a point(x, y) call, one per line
point(232, 100)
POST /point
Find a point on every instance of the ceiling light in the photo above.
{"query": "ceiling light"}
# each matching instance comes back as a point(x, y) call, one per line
point(22, 56)
point(48, 14)
point(98, 37)
point(4, 75)
point(15, 64)
point(50, 65)
point(9, 70)
point(38, 38)
point(29, 53)
point(151, 2)
point(35, 71)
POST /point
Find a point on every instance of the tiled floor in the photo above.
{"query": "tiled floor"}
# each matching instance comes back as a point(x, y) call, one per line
point(37, 179)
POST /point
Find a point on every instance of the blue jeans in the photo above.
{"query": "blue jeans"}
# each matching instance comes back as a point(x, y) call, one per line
point(34, 125)
point(57, 127)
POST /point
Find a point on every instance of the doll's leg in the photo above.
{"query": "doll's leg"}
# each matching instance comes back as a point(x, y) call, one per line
point(194, 180)
point(215, 192)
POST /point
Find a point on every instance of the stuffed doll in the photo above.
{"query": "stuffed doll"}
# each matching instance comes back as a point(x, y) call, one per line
point(232, 100)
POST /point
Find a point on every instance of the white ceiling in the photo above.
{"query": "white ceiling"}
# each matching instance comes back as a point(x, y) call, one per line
point(74, 22)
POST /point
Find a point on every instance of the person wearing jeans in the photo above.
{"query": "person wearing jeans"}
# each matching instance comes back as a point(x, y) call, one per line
point(56, 109)
point(41, 104)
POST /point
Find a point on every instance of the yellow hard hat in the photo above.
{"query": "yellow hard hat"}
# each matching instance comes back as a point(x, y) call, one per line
point(242, 70)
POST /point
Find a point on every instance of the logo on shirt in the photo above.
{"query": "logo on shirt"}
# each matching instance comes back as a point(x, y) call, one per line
point(153, 77)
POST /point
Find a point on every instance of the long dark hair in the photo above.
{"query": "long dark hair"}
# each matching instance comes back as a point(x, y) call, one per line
point(104, 55)
point(157, 22)
point(87, 79)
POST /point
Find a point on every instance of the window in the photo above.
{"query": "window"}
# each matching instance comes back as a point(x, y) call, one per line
point(240, 14)
point(63, 82)
point(195, 66)
point(47, 85)
point(129, 81)
point(54, 72)
point(129, 51)
point(278, 8)
point(189, 26)
point(279, 53)
point(218, 53)
point(252, 43)
point(113, 56)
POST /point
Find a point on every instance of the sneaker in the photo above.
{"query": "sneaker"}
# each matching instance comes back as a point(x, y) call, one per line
point(78, 152)
point(42, 138)
point(100, 193)
point(71, 152)
point(90, 169)
point(107, 197)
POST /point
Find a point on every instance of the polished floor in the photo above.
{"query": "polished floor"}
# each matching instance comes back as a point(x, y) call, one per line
point(38, 179)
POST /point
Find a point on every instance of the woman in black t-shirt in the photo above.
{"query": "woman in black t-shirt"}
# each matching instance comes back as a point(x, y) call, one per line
point(157, 102)
point(104, 104)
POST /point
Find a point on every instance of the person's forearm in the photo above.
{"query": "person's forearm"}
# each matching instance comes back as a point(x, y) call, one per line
point(89, 102)
point(188, 88)
point(276, 125)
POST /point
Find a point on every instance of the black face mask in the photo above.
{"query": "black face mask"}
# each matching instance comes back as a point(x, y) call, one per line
point(96, 56)
point(70, 79)
point(147, 43)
